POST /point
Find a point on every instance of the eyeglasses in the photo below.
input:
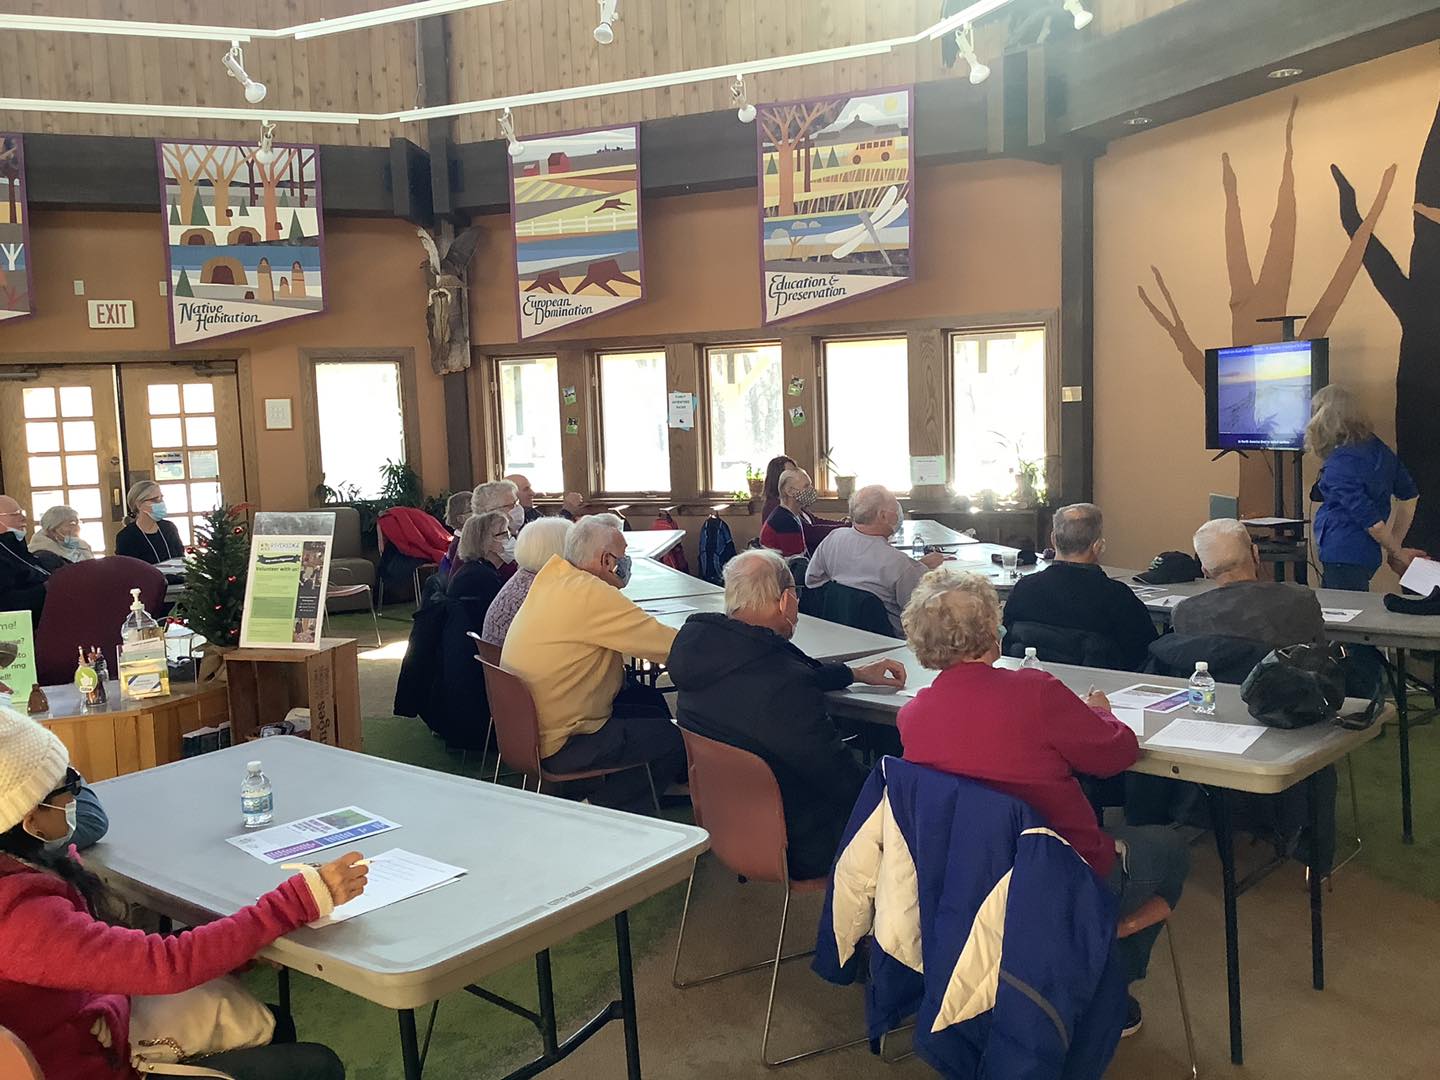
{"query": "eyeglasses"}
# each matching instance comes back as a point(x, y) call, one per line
point(69, 786)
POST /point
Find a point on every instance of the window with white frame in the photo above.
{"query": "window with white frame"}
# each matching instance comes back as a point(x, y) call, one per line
point(361, 423)
point(634, 435)
point(529, 393)
point(998, 409)
point(746, 411)
point(867, 411)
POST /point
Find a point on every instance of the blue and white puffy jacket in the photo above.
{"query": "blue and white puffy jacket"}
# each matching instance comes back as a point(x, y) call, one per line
point(987, 927)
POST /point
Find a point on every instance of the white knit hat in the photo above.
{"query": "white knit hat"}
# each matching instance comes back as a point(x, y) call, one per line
point(32, 765)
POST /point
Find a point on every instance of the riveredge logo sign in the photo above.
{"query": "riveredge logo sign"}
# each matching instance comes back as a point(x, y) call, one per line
point(835, 199)
point(575, 211)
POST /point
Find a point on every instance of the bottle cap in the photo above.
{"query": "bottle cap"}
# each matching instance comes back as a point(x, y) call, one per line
point(252, 766)
point(1029, 651)
point(1201, 665)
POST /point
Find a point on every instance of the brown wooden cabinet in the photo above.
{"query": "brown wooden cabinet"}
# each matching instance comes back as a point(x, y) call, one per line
point(265, 684)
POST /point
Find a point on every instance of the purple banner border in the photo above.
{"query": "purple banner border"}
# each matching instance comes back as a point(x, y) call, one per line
point(24, 232)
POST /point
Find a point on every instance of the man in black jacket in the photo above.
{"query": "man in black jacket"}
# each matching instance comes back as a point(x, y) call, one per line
point(741, 682)
point(22, 579)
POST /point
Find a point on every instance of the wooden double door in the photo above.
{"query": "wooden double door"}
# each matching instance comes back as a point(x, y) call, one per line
point(81, 434)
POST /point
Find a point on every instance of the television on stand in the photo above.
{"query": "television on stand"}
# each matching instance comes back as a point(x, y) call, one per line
point(1257, 397)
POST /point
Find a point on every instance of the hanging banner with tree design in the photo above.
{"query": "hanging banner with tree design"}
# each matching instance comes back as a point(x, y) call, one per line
point(575, 209)
point(16, 300)
point(245, 237)
point(835, 198)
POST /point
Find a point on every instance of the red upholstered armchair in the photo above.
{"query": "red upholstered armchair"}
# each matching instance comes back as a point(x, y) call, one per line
point(85, 603)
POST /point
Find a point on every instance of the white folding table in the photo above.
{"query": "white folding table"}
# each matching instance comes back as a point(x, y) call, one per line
point(651, 580)
point(540, 870)
point(816, 638)
point(652, 543)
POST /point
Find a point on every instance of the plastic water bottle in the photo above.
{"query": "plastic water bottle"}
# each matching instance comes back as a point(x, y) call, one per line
point(1202, 689)
point(1031, 660)
point(257, 800)
point(917, 548)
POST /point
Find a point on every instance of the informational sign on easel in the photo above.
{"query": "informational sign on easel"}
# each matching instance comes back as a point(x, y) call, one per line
point(17, 658)
point(289, 574)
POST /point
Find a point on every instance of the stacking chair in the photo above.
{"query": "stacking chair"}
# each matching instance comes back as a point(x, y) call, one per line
point(1184, 1005)
point(16, 1061)
point(737, 800)
point(345, 588)
point(517, 735)
point(486, 654)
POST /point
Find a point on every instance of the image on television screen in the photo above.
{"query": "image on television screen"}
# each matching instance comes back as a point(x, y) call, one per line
point(1260, 395)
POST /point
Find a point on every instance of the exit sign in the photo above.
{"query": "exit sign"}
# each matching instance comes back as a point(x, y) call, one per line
point(112, 314)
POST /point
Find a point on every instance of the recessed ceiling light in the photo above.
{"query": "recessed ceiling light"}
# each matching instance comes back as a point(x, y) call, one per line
point(1286, 73)
point(1137, 121)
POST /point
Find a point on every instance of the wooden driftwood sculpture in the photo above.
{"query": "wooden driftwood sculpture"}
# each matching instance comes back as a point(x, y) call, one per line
point(447, 304)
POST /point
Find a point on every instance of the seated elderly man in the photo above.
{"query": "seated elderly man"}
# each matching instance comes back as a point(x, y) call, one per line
point(862, 557)
point(22, 578)
point(742, 682)
point(570, 505)
point(569, 641)
point(1023, 732)
point(791, 529)
point(1274, 613)
point(1075, 594)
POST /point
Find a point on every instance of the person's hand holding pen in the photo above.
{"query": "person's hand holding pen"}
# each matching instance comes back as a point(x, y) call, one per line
point(1096, 699)
point(345, 877)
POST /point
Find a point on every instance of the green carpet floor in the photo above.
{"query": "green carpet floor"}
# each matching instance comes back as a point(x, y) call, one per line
point(474, 1039)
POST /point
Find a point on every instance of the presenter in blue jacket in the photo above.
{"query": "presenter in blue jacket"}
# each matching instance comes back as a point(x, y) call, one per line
point(1367, 497)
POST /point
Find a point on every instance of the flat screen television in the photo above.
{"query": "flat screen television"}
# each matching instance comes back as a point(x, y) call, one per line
point(1257, 397)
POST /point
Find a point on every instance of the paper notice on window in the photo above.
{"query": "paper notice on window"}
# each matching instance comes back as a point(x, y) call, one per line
point(394, 875)
point(1209, 735)
point(1339, 615)
point(927, 469)
point(1422, 577)
point(1149, 697)
point(283, 843)
point(682, 410)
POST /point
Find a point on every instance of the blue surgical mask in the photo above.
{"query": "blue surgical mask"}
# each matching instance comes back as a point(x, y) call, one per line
point(158, 511)
point(19, 534)
point(71, 542)
point(622, 570)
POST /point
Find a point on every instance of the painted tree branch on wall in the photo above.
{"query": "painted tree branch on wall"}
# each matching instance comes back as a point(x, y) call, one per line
point(1253, 298)
point(447, 304)
point(1415, 300)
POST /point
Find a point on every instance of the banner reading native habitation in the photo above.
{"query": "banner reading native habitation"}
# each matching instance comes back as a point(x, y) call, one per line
point(245, 236)
point(835, 197)
point(16, 299)
point(575, 209)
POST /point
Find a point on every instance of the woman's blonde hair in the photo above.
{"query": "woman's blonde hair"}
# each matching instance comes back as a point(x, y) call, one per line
point(952, 617)
point(1336, 420)
point(141, 489)
point(475, 534)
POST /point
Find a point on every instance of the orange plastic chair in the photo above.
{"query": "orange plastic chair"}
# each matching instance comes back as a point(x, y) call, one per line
point(737, 800)
point(517, 734)
point(16, 1061)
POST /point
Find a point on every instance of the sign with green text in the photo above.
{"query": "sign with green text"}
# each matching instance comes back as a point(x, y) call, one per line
point(289, 571)
point(17, 658)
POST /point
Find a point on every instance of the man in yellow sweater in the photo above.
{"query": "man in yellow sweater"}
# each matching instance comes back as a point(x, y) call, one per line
point(568, 642)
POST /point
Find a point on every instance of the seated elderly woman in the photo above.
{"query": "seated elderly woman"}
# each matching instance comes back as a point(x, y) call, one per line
point(539, 540)
point(791, 529)
point(504, 496)
point(57, 541)
point(1024, 733)
point(457, 512)
point(479, 557)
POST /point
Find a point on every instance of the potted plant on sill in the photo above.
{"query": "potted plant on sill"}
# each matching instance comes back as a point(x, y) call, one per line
point(756, 481)
point(844, 482)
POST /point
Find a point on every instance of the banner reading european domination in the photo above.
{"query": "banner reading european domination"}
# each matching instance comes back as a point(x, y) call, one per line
point(835, 199)
point(16, 300)
point(244, 235)
point(575, 209)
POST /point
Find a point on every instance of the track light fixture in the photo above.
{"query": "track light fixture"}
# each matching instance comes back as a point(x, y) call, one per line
point(741, 100)
point(507, 128)
point(234, 62)
point(265, 151)
point(965, 42)
point(605, 30)
point(1077, 10)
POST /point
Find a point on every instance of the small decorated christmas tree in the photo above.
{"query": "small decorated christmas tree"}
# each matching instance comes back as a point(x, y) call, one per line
point(215, 576)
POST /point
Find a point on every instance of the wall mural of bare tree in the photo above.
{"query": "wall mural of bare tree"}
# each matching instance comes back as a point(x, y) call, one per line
point(1415, 300)
point(1253, 298)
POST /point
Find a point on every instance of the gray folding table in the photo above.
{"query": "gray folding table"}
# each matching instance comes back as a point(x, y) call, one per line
point(652, 543)
point(540, 870)
point(651, 580)
point(1275, 762)
point(931, 534)
point(817, 638)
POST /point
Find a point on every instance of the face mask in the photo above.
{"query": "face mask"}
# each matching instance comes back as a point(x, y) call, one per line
point(71, 542)
point(508, 549)
point(158, 511)
point(806, 498)
point(622, 570)
point(517, 517)
point(55, 847)
point(19, 534)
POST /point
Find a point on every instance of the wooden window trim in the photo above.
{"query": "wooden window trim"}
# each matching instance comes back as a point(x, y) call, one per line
point(707, 488)
point(404, 356)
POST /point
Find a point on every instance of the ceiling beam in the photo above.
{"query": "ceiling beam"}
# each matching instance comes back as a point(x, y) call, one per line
point(1206, 54)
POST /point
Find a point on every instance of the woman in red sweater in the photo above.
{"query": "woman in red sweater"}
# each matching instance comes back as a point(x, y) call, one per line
point(1024, 733)
point(66, 974)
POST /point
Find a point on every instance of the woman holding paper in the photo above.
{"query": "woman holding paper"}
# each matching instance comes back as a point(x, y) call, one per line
point(1367, 497)
point(1023, 733)
point(67, 973)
